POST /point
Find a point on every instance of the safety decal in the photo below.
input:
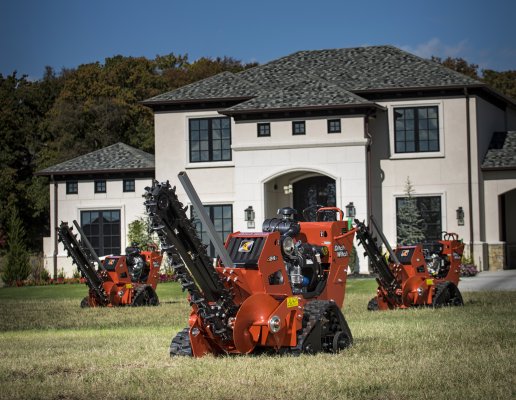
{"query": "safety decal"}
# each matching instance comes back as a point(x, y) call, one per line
point(246, 246)
point(292, 302)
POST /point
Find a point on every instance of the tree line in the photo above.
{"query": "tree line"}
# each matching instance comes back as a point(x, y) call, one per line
point(75, 111)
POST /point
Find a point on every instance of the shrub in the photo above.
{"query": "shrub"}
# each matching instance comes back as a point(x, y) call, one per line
point(16, 263)
point(140, 233)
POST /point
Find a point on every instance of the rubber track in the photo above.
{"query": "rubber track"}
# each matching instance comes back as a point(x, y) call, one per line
point(313, 312)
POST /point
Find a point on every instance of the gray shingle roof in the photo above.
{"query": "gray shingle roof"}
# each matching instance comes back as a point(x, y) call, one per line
point(304, 93)
point(223, 85)
point(343, 72)
point(501, 152)
point(115, 158)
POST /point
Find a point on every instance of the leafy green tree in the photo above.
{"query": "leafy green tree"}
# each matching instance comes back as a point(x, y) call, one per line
point(409, 219)
point(140, 233)
point(16, 262)
point(505, 81)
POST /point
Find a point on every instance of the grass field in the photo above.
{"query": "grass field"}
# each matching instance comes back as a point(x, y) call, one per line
point(51, 348)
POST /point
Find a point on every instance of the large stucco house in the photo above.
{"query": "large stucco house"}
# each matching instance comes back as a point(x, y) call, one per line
point(102, 191)
point(348, 125)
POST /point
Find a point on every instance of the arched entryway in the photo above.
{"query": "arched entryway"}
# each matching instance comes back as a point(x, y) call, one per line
point(508, 226)
point(299, 189)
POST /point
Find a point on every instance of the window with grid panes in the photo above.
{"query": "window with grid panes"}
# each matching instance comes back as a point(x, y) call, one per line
point(298, 128)
point(264, 129)
point(334, 126)
point(129, 185)
point(210, 139)
point(102, 228)
point(429, 208)
point(100, 186)
point(222, 218)
point(416, 129)
point(72, 187)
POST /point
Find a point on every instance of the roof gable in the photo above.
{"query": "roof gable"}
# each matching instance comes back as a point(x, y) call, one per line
point(118, 157)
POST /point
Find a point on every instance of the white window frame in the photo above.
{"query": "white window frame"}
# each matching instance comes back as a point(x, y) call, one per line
point(415, 103)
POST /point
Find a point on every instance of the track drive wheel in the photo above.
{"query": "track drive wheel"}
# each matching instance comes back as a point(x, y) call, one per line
point(324, 329)
point(180, 345)
point(85, 302)
point(447, 294)
point(373, 304)
point(145, 296)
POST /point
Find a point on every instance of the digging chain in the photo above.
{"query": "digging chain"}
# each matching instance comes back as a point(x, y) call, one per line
point(179, 240)
point(83, 260)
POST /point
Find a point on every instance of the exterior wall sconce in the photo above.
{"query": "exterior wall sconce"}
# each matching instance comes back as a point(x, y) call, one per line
point(249, 217)
point(350, 214)
point(351, 210)
point(460, 216)
point(287, 189)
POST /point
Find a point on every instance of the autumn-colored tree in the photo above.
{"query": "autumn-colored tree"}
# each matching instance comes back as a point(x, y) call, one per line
point(460, 65)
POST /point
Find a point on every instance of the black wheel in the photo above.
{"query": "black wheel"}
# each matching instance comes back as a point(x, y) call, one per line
point(153, 297)
point(341, 340)
point(145, 296)
point(373, 304)
point(141, 298)
point(85, 303)
point(447, 294)
point(180, 345)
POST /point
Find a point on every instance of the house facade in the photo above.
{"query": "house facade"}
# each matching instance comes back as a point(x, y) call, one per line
point(102, 191)
point(334, 127)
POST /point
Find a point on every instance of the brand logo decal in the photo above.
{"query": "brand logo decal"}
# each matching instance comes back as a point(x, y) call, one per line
point(272, 258)
point(246, 246)
point(340, 250)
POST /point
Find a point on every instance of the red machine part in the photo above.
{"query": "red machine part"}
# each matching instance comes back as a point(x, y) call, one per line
point(422, 278)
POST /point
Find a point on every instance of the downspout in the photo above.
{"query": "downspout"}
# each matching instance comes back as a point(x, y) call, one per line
point(55, 227)
point(470, 186)
point(368, 168)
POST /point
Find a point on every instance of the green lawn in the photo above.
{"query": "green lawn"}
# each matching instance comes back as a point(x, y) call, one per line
point(51, 348)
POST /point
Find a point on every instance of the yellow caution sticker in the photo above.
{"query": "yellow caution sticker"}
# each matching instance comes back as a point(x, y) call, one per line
point(429, 282)
point(129, 286)
point(292, 302)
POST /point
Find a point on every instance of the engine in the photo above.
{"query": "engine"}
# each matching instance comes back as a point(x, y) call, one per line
point(302, 260)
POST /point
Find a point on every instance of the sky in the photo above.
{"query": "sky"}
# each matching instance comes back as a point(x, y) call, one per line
point(66, 33)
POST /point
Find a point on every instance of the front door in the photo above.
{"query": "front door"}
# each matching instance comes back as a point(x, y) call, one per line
point(316, 190)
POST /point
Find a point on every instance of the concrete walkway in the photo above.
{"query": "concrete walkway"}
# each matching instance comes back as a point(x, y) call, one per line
point(496, 280)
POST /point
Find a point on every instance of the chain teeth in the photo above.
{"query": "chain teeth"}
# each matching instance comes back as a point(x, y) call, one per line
point(184, 226)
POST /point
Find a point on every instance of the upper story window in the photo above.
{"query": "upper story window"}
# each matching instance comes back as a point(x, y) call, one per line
point(298, 128)
point(100, 186)
point(264, 129)
point(210, 139)
point(129, 185)
point(416, 129)
point(72, 187)
point(334, 126)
